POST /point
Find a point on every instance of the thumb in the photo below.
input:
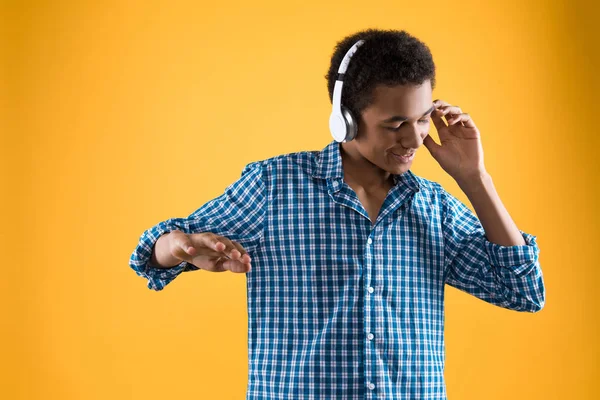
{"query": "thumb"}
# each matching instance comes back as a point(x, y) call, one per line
point(431, 145)
point(187, 245)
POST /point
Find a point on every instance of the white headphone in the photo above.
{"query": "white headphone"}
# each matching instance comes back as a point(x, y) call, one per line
point(342, 124)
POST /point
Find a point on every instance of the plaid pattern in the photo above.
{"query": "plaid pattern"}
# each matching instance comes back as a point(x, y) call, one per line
point(341, 309)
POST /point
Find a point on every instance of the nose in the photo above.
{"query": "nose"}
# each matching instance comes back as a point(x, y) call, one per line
point(412, 138)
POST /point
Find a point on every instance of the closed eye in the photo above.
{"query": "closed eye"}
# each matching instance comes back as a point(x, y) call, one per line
point(422, 121)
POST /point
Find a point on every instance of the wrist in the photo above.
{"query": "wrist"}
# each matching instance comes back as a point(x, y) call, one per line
point(474, 182)
point(161, 253)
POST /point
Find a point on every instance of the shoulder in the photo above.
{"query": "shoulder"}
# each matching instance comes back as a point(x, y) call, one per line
point(434, 188)
point(299, 161)
point(437, 196)
point(427, 185)
point(428, 188)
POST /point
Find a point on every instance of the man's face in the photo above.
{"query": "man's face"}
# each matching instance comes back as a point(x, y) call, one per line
point(377, 139)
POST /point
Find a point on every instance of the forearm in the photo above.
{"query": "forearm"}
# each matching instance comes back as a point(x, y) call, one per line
point(161, 254)
point(497, 223)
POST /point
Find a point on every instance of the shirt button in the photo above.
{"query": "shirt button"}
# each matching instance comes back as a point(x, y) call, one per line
point(369, 241)
point(370, 289)
point(371, 386)
point(370, 336)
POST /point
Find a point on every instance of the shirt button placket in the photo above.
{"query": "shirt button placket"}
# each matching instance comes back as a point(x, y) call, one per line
point(370, 335)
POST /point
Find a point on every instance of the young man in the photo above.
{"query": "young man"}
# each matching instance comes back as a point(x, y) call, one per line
point(350, 250)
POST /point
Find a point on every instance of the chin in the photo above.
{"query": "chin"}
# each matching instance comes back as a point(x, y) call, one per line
point(403, 169)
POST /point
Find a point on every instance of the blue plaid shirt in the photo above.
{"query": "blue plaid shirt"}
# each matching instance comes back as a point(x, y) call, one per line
point(339, 308)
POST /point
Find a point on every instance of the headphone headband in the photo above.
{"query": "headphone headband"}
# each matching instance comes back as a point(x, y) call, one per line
point(348, 56)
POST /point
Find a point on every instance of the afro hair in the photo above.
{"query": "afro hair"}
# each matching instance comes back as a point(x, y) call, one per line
point(388, 57)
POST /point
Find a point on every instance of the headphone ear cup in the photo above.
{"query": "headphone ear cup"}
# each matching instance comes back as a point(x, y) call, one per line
point(338, 126)
point(351, 124)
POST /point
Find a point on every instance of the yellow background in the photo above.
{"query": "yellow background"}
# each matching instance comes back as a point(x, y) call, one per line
point(119, 114)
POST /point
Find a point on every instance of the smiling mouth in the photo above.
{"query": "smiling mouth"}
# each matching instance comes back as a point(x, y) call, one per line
point(404, 159)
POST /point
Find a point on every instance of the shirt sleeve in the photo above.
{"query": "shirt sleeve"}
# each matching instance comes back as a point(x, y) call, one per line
point(237, 214)
point(506, 276)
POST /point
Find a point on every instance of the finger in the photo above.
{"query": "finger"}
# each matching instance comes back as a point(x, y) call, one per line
point(465, 119)
point(439, 123)
point(460, 119)
point(187, 245)
point(184, 247)
point(245, 258)
point(236, 266)
point(229, 249)
point(439, 103)
point(237, 251)
point(215, 243)
point(219, 265)
point(454, 119)
point(450, 110)
point(431, 144)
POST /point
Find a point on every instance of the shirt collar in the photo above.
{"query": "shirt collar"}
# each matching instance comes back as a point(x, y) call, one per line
point(329, 166)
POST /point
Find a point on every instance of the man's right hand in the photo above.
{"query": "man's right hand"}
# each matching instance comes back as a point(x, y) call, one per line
point(209, 251)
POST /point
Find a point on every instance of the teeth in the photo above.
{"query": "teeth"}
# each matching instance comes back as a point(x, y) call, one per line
point(405, 155)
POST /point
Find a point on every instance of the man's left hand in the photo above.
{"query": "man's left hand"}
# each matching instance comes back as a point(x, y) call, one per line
point(460, 153)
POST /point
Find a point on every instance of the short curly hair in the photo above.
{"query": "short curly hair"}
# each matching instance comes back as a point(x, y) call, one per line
point(388, 57)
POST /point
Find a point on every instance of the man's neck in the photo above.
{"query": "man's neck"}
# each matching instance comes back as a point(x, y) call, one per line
point(360, 172)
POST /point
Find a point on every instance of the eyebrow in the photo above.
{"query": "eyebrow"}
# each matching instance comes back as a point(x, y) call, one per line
point(400, 118)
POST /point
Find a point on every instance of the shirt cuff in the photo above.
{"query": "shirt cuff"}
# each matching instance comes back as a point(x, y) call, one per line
point(154, 234)
point(140, 259)
point(519, 258)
